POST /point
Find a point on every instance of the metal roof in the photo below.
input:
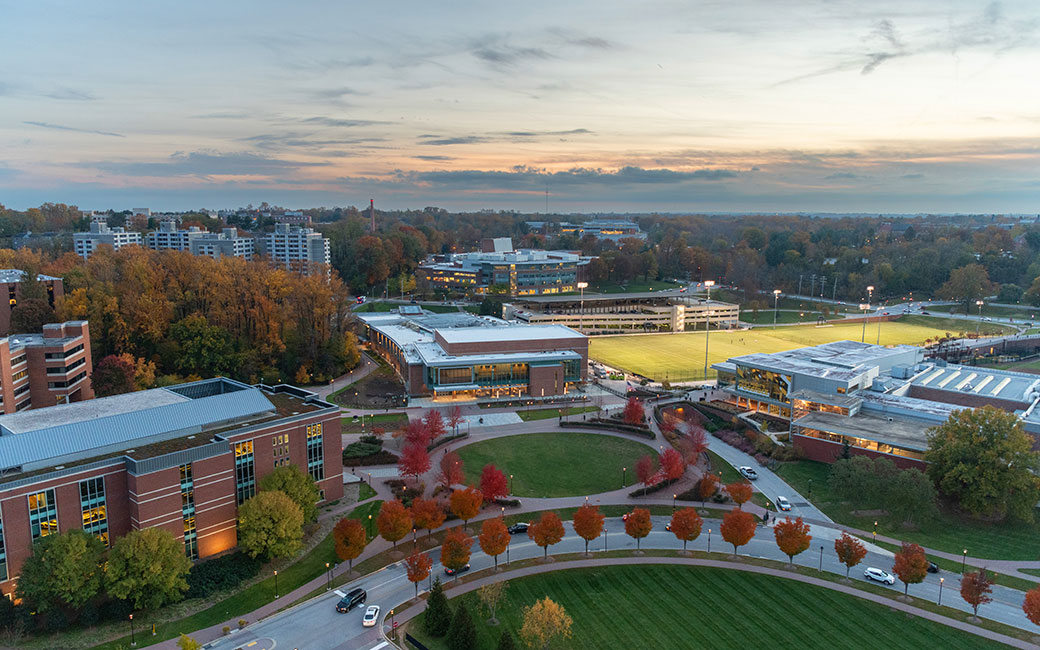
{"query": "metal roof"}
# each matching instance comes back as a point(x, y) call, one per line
point(514, 333)
point(17, 275)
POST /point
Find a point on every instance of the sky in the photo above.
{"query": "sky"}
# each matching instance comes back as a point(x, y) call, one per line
point(667, 106)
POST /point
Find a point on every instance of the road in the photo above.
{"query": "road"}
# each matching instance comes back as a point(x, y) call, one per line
point(315, 625)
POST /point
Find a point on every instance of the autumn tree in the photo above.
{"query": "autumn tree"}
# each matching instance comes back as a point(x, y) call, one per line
point(298, 486)
point(455, 418)
point(148, 568)
point(113, 375)
point(740, 492)
point(672, 464)
point(850, 551)
point(491, 595)
point(968, 283)
point(1031, 606)
point(414, 460)
point(185, 642)
point(64, 570)
point(350, 539)
point(427, 514)
point(545, 532)
point(738, 527)
point(455, 550)
point(634, 414)
point(493, 483)
point(544, 622)
point(494, 538)
point(646, 471)
point(976, 586)
point(465, 503)
point(451, 470)
point(638, 525)
point(911, 565)
point(417, 565)
point(588, 524)
point(693, 444)
point(434, 423)
point(792, 537)
point(270, 525)
point(393, 521)
point(707, 486)
point(686, 525)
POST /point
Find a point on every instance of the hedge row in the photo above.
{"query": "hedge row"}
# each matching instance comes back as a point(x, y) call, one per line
point(614, 426)
point(225, 572)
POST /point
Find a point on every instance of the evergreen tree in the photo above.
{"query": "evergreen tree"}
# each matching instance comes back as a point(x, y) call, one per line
point(437, 617)
point(462, 635)
point(506, 642)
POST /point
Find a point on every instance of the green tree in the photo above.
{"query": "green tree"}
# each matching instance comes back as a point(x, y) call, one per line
point(147, 568)
point(203, 349)
point(270, 525)
point(185, 642)
point(462, 635)
point(437, 617)
point(911, 497)
point(296, 485)
point(852, 480)
point(985, 460)
point(968, 283)
point(506, 642)
point(63, 570)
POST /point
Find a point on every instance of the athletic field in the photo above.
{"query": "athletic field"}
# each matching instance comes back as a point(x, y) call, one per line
point(680, 357)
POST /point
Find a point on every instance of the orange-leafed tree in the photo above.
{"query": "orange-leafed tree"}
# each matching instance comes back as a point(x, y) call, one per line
point(634, 412)
point(740, 492)
point(693, 444)
point(910, 565)
point(394, 521)
point(414, 460)
point(455, 550)
point(686, 525)
point(451, 470)
point(350, 539)
point(672, 464)
point(465, 503)
point(427, 514)
point(638, 525)
point(976, 586)
point(433, 422)
point(792, 537)
point(850, 551)
point(545, 532)
point(413, 432)
point(494, 538)
point(588, 524)
point(707, 486)
point(493, 483)
point(418, 567)
point(738, 527)
point(455, 419)
point(1031, 606)
point(647, 471)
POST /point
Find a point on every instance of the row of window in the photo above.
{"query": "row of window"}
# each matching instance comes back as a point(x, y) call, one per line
point(191, 536)
point(59, 370)
point(63, 355)
point(66, 384)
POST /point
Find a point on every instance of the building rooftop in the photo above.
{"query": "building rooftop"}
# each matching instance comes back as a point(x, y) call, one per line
point(908, 433)
point(840, 360)
point(984, 382)
point(17, 275)
point(434, 355)
point(511, 333)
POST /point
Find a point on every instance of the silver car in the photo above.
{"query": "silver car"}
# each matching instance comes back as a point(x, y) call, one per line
point(371, 616)
point(879, 575)
point(748, 472)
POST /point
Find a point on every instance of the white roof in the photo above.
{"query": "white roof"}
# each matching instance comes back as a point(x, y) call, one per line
point(515, 333)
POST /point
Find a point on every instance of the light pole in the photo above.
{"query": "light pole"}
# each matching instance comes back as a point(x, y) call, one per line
point(581, 317)
point(393, 625)
point(821, 557)
point(776, 303)
point(674, 497)
point(979, 304)
point(964, 558)
point(328, 574)
point(941, 581)
point(510, 483)
point(864, 307)
point(276, 583)
point(874, 534)
point(133, 639)
point(709, 540)
point(624, 475)
point(708, 284)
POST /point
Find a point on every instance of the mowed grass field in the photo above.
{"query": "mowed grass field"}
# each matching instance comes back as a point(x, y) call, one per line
point(678, 357)
point(546, 464)
point(662, 606)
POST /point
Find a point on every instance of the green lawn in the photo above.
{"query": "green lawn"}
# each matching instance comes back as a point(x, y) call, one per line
point(545, 414)
point(950, 533)
point(556, 464)
point(677, 607)
point(631, 287)
point(389, 422)
point(720, 465)
point(1018, 313)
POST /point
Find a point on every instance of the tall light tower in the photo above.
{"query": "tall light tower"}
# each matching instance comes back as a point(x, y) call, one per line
point(581, 318)
point(865, 307)
point(776, 302)
point(978, 303)
point(708, 284)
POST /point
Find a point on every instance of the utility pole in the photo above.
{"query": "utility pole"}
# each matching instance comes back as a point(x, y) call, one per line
point(834, 290)
point(812, 286)
point(800, 276)
point(823, 284)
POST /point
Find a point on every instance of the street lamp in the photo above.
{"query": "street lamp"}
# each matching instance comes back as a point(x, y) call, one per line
point(624, 474)
point(776, 302)
point(979, 304)
point(328, 574)
point(964, 558)
point(393, 625)
point(941, 581)
point(581, 317)
point(510, 484)
point(708, 284)
point(874, 534)
point(821, 557)
point(674, 497)
point(276, 583)
point(709, 540)
point(133, 639)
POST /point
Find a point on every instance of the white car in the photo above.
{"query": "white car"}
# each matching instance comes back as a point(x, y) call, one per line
point(880, 576)
point(749, 473)
point(371, 616)
point(782, 503)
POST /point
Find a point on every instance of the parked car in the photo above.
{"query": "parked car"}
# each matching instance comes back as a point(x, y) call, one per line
point(878, 575)
point(933, 567)
point(782, 503)
point(749, 473)
point(353, 598)
point(452, 572)
point(371, 616)
point(625, 516)
point(519, 527)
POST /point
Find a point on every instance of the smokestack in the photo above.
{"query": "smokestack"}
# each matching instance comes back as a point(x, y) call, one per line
point(372, 215)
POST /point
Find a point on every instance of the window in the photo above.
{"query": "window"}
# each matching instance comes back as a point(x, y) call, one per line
point(3, 554)
point(315, 452)
point(245, 474)
point(92, 503)
point(43, 514)
point(191, 540)
point(21, 373)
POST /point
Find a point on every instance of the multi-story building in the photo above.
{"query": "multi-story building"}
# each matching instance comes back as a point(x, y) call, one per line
point(460, 354)
point(86, 243)
point(10, 288)
point(296, 248)
point(225, 243)
point(525, 272)
point(613, 230)
point(181, 458)
point(169, 238)
point(40, 370)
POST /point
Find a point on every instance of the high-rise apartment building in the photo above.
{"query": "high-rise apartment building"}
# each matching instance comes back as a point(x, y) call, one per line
point(296, 248)
point(40, 370)
point(102, 235)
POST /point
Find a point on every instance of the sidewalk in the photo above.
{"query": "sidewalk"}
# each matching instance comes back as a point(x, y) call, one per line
point(366, 366)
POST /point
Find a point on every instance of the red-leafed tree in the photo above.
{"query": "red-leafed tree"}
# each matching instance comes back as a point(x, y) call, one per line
point(850, 551)
point(792, 537)
point(1031, 606)
point(546, 531)
point(413, 432)
point(686, 525)
point(455, 419)
point(588, 524)
point(707, 486)
point(638, 525)
point(646, 471)
point(465, 503)
point(451, 470)
point(418, 566)
point(672, 464)
point(976, 586)
point(427, 514)
point(414, 460)
point(350, 539)
point(740, 492)
point(634, 412)
point(493, 483)
point(738, 527)
point(667, 425)
point(393, 521)
point(494, 538)
point(910, 565)
point(434, 425)
point(455, 550)
point(693, 444)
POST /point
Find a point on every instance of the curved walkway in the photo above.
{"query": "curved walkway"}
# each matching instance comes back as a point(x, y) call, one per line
point(418, 608)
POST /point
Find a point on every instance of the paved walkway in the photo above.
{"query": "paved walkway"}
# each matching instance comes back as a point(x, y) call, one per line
point(366, 366)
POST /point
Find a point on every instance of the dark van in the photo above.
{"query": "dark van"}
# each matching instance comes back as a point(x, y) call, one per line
point(353, 598)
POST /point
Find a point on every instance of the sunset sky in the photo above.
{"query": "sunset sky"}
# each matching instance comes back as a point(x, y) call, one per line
point(774, 106)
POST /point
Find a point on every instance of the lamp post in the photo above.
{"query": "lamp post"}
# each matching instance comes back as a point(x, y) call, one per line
point(874, 534)
point(133, 639)
point(624, 475)
point(964, 558)
point(864, 307)
point(979, 304)
point(581, 317)
point(821, 557)
point(510, 483)
point(708, 284)
point(328, 575)
point(941, 581)
point(276, 583)
point(393, 625)
point(674, 497)
point(709, 540)
point(776, 303)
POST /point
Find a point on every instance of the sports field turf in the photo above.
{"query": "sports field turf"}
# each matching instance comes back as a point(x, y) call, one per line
point(679, 357)
point(678, 607)
point(545, 464)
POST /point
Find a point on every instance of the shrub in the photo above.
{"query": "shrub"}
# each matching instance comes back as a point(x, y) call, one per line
point(378, 458)
point(226, 630)
point(242, 623)
point(643, 491)
point(509, 503)
point(222, 573)
point(361, 449)
point(371, 440)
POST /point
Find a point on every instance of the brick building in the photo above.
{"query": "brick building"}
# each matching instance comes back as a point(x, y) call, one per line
point(182, 458)
point(11, 289)
point(40, 370)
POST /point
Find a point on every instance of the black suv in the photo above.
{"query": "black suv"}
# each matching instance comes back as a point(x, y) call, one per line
point(518, 528)
point(353, 598)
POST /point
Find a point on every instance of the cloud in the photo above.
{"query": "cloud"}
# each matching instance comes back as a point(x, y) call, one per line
point(526, 177)
point(205, 164)
point(338, 122)
point(505, 136)
point(71, 94)
point(222, 115)
point(435, 158)
point(60, 127)
point(304, 140)
point(840, 176)
point(335, 93)
point(464, 139)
